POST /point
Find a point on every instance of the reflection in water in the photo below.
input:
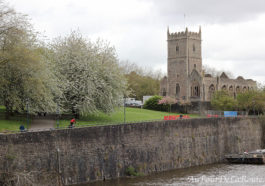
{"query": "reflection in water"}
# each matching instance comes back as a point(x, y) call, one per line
point(210, 175)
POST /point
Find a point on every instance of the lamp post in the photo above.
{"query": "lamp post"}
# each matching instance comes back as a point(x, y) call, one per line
point(27, 105)
point(124, 109)
point(58, 113)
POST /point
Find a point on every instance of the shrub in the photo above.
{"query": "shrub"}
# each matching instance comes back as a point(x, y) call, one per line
point(153, 104)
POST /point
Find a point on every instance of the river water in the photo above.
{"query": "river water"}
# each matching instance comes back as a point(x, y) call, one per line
point(209, 175)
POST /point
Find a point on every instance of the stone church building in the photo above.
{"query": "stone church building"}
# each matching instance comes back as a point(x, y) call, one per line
point(185, 78)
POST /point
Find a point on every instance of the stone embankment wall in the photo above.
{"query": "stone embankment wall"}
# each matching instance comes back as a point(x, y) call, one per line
point(96, 153)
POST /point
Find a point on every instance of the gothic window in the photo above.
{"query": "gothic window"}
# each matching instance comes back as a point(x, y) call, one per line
point(211, 91)
point(177, 49)
point(231, 91)
point(193, 48)
point(244, 89)
point(237, 89)
point(195, 66)
point(195, 89)
point(177, 90)
point(224, 87)
point(164, 93)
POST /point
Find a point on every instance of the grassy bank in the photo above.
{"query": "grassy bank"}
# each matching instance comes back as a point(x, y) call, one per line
point(132, 115)
point(12, 124)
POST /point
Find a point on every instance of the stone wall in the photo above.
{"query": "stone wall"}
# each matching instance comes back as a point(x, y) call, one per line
point(97, 153)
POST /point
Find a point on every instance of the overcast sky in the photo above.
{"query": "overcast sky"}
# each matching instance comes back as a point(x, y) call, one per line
point(233, 31)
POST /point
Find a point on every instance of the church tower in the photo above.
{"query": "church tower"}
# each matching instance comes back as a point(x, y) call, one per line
point(184, 65)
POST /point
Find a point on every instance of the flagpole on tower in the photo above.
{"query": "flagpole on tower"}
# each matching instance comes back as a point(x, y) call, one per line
point(184, 21)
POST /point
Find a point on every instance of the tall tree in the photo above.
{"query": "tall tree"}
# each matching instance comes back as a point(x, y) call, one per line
point(91, 78)
point(140, 85)
point(247, 100)
point(222, 101)
point(24, 73)
point(141, 81)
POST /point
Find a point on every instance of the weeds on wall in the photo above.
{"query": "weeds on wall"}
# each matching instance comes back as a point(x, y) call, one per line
point(130, 171)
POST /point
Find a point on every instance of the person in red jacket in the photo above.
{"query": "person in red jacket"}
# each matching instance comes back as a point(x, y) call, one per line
point(72, 122)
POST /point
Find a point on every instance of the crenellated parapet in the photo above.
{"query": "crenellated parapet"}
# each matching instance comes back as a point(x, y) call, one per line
point(180, 35)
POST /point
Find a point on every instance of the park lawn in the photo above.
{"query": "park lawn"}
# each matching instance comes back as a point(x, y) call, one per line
point(9, 125)
point(2, 108)
point(132, 115)
point(12, 124)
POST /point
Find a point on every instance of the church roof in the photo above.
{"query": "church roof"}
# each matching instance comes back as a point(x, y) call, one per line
point(224, 76)
point(207, 75)
point(240, 78)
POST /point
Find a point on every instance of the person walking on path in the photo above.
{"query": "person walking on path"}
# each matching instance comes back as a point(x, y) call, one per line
point(72, 122)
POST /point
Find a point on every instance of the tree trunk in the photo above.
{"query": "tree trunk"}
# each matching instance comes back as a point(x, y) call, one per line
point(7, 113)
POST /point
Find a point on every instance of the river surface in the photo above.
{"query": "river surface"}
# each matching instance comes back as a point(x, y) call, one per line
point(217, 174)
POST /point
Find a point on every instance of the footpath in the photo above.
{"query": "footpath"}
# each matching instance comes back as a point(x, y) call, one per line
point(42, 124)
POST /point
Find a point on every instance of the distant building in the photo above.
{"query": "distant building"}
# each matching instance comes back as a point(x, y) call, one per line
point(185, 79)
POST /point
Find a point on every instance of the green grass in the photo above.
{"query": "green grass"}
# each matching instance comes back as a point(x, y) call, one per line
point(132, 115)
point(9, 125)
point(2, 108)
point(12, 124)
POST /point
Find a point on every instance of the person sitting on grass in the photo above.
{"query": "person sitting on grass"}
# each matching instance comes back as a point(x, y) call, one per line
point(72, 122)
point(22, 128)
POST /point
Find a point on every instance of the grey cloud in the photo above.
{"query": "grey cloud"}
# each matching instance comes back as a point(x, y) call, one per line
point(210, 11)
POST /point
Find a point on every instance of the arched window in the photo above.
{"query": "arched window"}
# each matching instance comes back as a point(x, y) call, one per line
point(195, 89)
point(231, 89)
point(211, 91)
point(164, 93)
point(224, 87)
point(193, 47)
point(244, 89)
point(237, 89)
point(177, 49)
point(177, 90)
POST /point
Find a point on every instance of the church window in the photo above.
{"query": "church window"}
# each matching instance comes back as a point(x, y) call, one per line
point(177, 90)
point(194, 48)
point(195, 89)
point(177, 48)
point(237, 89)
point(195, 66)
point(164, 93)
point(211, 91)
point(231, 90)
